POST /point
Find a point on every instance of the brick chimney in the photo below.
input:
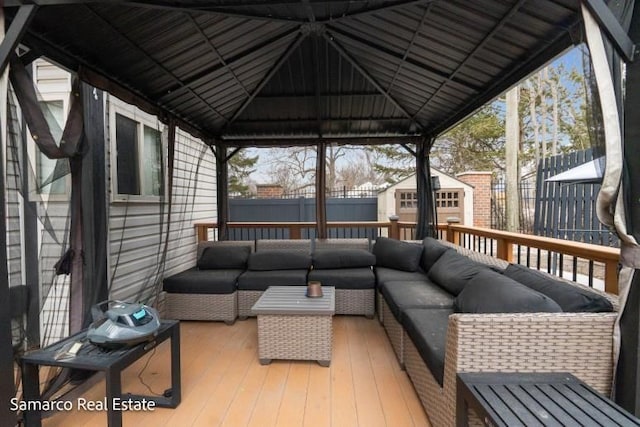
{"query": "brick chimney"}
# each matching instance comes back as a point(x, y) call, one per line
point(269, 191)
point(481, 182)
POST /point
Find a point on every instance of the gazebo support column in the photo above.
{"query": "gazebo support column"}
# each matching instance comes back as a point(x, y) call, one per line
point(425, 226)
point(628, 373)
point(222, 190)
point(321, 191)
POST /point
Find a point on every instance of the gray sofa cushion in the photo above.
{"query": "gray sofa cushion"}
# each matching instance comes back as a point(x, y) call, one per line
point(432, 251)
point(195, 281)
point(491, 292)
point(384, 275)
point(396, 254)
point(345, 278)
point(424, 294)
point(427, 329)
point(224, 257)
point(261, 280)
point(569, 298)
point(342, 258)
point(452, 271)
point(279, 259)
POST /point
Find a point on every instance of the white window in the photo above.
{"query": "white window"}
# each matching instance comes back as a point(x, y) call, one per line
point(137, 159)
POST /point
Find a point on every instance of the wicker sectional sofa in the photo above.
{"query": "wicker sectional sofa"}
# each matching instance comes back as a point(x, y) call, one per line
point(434, 340)
point(436, 301)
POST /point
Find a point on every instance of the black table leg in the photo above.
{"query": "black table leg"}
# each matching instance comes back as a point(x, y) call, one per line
point(176, 387)
point(31, 393)
point(114, 390)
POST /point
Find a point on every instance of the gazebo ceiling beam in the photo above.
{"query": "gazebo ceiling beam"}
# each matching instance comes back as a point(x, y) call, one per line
point(408, 49)
point(303, 142)
point(372, 47)
point(156, 63)
point(14, 33)
point(216, 53)
point(512, 11)
point(342, 51)
point(611, 26)
point(230, 61)
point(292, 47)
point(385, 7)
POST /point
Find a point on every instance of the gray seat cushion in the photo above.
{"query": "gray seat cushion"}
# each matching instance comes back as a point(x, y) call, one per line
point(196, 281)
point(324, 259)
point(261, 280)
point(452, 271)
point(392, 253)
point(491, 292)
point(279, 259)
point(570, 298)
point(427, 329)
point(424, 294)
point(224, 257)
point(433, 250)
point(384, 275)
point(345, 278)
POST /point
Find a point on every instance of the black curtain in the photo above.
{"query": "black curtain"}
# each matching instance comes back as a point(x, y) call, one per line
point(426, 226)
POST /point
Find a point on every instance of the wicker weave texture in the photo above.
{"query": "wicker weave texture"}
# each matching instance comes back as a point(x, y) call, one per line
point(295, 337)
point(380, 302)
point(221, 307)
point(427, 388)
point(246, 300)
point(395, 331)
point(355, 301)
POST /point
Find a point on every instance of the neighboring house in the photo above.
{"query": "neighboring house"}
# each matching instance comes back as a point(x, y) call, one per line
point(136, 170)
point(454, 199)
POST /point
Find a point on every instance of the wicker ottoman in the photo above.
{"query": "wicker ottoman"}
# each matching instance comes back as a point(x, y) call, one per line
point(292, 326)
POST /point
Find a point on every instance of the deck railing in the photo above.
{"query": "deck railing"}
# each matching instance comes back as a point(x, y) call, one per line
point(593, 265)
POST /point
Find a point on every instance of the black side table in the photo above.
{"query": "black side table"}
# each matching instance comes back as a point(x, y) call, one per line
point(535, 399)
point(111, 362)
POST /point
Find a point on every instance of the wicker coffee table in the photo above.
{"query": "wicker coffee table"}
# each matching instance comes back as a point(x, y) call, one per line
point(292, 326)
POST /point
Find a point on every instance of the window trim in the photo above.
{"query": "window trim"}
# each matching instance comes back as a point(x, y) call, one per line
point(116, 106)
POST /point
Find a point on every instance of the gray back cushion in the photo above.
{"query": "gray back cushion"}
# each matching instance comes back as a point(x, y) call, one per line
point(279, 259)
point(452, 271)
point(570, 298)
point(342, 258)
point(224, 257)
point(396, 254)
point(491, 292)
point(433, 250)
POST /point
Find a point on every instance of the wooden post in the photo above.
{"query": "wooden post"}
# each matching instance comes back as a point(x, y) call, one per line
point(394, 229)
point(453, 236)
point(505, 249)
point(611, 277)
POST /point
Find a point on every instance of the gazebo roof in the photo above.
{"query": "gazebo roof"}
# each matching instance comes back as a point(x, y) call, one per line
point(259, 72)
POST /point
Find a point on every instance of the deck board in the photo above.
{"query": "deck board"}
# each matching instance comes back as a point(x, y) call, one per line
point(224, 384)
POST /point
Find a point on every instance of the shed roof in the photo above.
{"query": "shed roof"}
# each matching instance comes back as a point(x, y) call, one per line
point(256, 72)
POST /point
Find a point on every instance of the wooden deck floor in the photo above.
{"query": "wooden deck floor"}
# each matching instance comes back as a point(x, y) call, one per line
point(223, 383)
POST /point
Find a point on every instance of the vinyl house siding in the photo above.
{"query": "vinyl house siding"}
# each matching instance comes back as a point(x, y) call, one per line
point(137, 228)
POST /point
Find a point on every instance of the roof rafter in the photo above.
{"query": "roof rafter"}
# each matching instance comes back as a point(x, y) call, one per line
point(514, 9)
point(14, 33)
point(216, 52)
point(408, 49)
point(230, 61)
point(367, 76)
point(155, 62)
point(365, 44)
point(292, 47)
point(386, 7)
